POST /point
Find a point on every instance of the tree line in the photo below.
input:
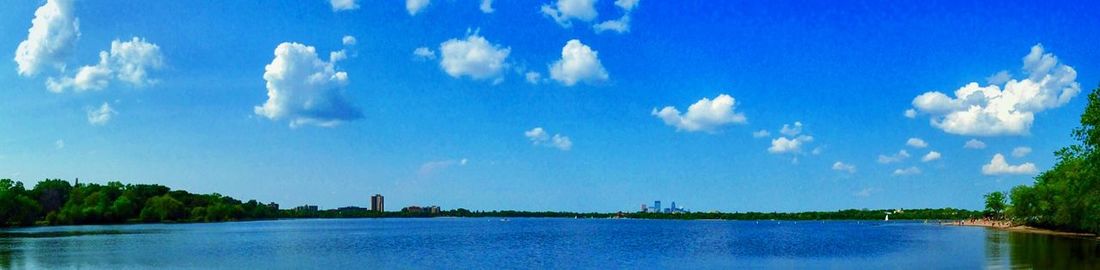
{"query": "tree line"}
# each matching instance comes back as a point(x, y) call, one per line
point(57, 202)
point(1066, 197)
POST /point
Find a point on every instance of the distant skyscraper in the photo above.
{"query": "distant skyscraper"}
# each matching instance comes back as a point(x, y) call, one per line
point(673, 207)
point(657, 205)
point(377, 203)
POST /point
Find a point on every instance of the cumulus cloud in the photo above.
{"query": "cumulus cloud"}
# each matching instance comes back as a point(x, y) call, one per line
point(974, 144)
point(100, 116)
point(128, 61)
point(999, 78)
point(1021, 151)
point(1003, 109)
point(578, 63)
point(473, 57)
point(916, 143)
point(792, 141)
point(931, 156)
point(349, 41)
point(50, 40)
point(341, 5)
point(907, 171)
point(565, 11)
point(901, 155)
point(705, 115)
point(533, 77)
point(910, 113)
point(761, 133)
point(622, 24)
point(305, 89)
point(424, 54)
point(415, 6)
point(783, 145)
point(486, 6)
point(844, 167)
point(540, 137)
point(999, 166)
point(792, 129)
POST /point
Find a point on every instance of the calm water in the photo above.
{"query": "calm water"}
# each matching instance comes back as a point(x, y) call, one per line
point(539, 243)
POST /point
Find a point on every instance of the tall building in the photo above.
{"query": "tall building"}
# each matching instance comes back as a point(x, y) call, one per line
point(673, 207)
point(657, 205)
point(377, 203)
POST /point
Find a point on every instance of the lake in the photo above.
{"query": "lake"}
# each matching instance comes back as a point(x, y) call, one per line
point(480, 243)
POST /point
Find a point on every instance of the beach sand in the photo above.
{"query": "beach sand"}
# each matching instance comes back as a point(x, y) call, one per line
point(1009, 226)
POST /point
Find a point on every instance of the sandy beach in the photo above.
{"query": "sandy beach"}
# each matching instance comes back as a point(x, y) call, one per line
point(1009, 226)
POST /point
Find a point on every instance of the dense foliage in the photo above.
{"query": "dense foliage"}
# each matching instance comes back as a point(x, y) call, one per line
point(1067, 197)
point(57, 202)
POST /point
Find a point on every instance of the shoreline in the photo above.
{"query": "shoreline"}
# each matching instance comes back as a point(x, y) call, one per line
point(1011, 227)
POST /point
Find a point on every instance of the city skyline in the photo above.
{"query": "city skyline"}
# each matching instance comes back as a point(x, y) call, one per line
point(493, 105)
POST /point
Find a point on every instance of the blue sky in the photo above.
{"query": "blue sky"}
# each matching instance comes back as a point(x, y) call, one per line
point(461, 125)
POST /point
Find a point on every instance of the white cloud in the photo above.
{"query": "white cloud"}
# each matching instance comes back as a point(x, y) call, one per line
point(817, 150)
point(431, 167)
point(626, 5)
point(539, 137)
point(1021, 151)
point(974, 144)
point(907, 171)
point(305, 89)
point(59, 144)
point(844, 167)
point(761, 133)
point(916, 143)
point(340, 5)
point(423, 54)
point(999, 78)
point(100, 116)
point(349, 41)
point(705, 115)
point(486, 6)
point(998, 166)
point(564, 11)
point(415, 6)
point(128, 61)
point(783, 145)
point(931, 156)
point(1007, 109)
point(866, 192)
point(474, 57)
point(578, 63)
point(791, 130)
point(910, 113)
point(533, 77)
point(50, 40)
point(901, 155)
point(621, 25)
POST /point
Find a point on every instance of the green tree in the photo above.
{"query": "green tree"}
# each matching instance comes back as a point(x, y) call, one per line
point(995, 204)
point(163, 208)
point(1067, 196)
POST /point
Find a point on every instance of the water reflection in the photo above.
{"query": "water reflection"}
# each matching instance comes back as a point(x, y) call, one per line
point(1041, 251)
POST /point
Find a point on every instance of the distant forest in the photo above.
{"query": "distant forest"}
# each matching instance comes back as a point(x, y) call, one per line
point(1066, 197)
point(58, 202)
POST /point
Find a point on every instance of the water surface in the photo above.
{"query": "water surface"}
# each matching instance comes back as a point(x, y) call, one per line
point(466, 243)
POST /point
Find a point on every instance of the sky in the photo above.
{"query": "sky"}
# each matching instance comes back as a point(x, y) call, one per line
point(563, 105)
